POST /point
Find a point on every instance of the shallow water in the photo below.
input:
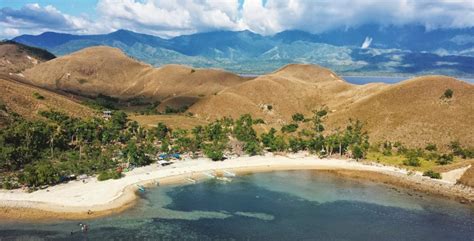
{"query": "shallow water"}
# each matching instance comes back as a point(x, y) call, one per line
point(293, 205)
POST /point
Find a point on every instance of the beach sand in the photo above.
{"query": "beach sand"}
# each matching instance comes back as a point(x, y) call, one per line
point(77, 200)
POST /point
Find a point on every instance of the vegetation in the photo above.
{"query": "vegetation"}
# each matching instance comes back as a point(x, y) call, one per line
point(445, 159)
point(102, 102)
point(170, 110)
point(110, 174)
point(53, 150)
point(448, 94)
point(298, 117)
point(432, 174)
point(38, 96)
point(289, 128)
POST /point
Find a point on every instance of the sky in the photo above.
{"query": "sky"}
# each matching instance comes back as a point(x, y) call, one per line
point(168, 18)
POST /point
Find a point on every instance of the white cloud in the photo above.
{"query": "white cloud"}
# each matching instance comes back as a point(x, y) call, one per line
point(33, 18)
point(171, 17)
point(11, 32)
point(176, 17)
point(320, 15)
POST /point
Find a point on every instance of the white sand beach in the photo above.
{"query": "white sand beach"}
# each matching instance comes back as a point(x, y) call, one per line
point(104, 197)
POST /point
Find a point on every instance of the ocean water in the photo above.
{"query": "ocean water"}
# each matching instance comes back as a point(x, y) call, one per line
point(292, 205)
point(360, 80)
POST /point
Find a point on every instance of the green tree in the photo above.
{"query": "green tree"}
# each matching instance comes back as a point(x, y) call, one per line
point(135, 155)
point(448, 94)
point(243, 129)
point(161, 131)
point(289, 128)
point(214, 151)
point(445, 159)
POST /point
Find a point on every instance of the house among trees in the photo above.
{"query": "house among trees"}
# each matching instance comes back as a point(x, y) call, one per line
point(107, 114)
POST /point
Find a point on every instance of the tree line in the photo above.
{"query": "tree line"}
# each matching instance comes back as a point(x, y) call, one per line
point(48, 151)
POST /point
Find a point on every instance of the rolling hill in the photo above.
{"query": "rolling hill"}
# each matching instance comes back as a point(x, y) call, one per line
point(16, 57)
point(28, 101)
point(108, 71)
point(411, 111)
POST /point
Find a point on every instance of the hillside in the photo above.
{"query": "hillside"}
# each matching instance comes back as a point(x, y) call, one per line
point(27, 101)
point(108, 71)
point(411, 111)
point(16, 57)
point(414, 109)
point(276, 96)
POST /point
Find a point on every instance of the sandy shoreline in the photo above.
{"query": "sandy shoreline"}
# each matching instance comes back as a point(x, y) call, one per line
point(77, 200)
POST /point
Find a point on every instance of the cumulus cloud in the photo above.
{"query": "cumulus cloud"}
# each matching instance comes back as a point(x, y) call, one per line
point(320, 15)
point(35, 17)
point(169, 18)
point(175, 17)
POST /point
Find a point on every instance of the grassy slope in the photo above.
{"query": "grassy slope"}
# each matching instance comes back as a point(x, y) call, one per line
point(20, 98)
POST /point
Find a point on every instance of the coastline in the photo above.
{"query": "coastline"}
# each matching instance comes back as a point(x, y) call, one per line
point(76, 200)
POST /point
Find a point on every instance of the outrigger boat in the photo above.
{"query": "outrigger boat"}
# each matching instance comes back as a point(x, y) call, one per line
point(228, 173)
point(141, 188)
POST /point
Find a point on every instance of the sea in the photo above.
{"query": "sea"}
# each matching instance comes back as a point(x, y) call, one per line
point(283, 205)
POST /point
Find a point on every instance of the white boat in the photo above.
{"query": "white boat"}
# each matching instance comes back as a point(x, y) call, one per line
point(210, 175)
point(191, 180)
point(229, 174)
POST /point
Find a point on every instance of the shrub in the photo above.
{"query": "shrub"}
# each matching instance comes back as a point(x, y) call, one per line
point(214, 153)
point(258, 121)
point(289, 128)
point(106, 175)
point(445, 159)
point(38, 96)
point(412, 159)
point(431, 147)
point(252, 148)
point(357, 152)
point(297, 117)
point(432, 174)
point(448, 94)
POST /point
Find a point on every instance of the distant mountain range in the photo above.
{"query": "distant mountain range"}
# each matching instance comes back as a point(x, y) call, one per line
point(366, 50)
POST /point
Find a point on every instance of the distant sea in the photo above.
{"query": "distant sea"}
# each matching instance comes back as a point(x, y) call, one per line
point(360, 80)
point(293, 205)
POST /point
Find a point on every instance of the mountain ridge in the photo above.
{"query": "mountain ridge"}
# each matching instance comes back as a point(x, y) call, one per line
point(393, 50)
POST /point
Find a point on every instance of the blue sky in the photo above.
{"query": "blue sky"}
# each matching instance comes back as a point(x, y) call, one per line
point(168, 18)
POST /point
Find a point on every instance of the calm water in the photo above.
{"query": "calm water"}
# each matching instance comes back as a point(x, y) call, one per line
point(360, 80)
point(297, 205)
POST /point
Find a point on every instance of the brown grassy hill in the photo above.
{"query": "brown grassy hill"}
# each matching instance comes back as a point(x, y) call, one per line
point(468, 177)
point(411, 111)
point(276, 96)
point(21, 99)
point(15, 57)
point(110, 72)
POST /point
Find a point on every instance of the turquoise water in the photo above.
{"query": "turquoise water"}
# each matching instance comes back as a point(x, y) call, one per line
point(293, 205)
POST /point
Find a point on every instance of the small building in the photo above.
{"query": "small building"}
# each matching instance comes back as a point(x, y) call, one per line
point(107, 114)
